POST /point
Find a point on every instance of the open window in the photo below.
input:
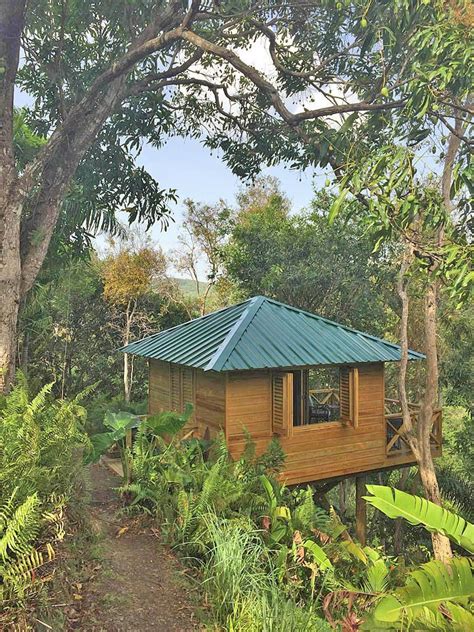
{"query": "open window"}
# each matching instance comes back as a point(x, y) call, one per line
point(327, 394)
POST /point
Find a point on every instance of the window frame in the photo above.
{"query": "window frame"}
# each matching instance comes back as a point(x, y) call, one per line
point(352, 420)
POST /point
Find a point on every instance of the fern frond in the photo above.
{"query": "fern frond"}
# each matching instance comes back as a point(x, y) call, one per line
point(21, 529)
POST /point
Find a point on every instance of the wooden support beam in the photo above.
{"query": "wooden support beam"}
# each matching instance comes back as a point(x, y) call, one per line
point(361, 510)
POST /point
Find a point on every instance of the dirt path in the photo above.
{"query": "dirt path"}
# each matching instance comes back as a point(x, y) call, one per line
point(139, 585)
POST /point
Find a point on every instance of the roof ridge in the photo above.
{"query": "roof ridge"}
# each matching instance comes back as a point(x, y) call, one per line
point(340, 325)
point(226, 347)
point(186, 323)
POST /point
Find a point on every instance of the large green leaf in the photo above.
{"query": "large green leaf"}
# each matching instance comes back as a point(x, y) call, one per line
point(121, 421)
point(397, 504)
point(430, 586)
point(318, 554)
point(169, 423)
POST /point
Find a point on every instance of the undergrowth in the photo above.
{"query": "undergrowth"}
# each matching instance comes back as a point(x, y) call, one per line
point(268, 558)
point(40, 439)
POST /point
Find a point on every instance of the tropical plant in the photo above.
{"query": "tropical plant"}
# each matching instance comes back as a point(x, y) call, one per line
point(242, 583)
point(39, 442)
point(21, 555)
point(416, 510)
point(39, 437)
point(436, 595)
point(121, 425)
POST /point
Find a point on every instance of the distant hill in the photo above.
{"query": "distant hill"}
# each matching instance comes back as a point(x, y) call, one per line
point(188, 286)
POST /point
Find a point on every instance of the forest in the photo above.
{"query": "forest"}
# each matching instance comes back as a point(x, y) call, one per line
point(373, 100)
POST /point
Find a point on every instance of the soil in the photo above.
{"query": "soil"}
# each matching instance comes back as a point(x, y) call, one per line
point(137, 585)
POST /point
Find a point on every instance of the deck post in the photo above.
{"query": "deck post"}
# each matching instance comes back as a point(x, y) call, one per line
point(361, 510)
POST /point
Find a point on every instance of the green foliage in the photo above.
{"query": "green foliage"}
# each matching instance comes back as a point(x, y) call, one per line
point(19, 526)
point(397, 504)
point(278, 254)
point(434, 594)
point(244, 588)
point(39, 442)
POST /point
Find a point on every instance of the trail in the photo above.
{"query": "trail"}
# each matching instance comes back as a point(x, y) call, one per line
point(139, 586)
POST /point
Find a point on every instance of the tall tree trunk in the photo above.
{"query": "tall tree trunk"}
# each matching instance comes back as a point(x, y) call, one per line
point(10, 287)
point(419, 438)
point(11, 21)
point(127, 366)
point(126, 378)
point(441, 544)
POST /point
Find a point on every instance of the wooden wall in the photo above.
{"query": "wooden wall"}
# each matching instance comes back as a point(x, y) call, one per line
point(238, 401)
point(207, 397)
point(158, 386)
point(210, 403)
point(318, 451)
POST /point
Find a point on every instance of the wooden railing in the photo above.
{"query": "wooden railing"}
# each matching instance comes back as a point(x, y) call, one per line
point(325, 395)
point(396, 441)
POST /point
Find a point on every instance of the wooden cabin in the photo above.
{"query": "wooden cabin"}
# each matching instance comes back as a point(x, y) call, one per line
point(270, 369)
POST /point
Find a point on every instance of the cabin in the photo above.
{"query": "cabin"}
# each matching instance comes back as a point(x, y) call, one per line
point(271, 370)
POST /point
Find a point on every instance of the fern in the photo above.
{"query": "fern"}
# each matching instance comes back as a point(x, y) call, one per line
point(20, 527)
point(20, 574)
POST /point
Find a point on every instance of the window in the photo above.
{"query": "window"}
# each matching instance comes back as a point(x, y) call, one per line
point(322, 395)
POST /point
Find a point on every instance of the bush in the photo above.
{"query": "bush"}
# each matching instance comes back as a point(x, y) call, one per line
point(39, 439)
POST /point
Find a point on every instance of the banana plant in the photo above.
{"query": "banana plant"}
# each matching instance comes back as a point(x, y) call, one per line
point(436, 596)
point(419, 511)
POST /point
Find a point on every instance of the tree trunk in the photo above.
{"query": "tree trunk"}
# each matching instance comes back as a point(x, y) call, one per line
point(127, 367)
point(11, 21)
point(126, 378)
point(419, 438)
point(342, 498)
point(441, 544)
point(399, 522)
point(10, 283)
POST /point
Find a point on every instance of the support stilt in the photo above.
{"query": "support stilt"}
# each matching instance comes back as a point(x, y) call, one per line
point(361, 510)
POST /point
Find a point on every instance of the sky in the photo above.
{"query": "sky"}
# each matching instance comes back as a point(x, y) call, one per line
point(190, 168)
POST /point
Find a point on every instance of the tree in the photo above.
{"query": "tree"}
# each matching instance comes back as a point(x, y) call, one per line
point(436, 247)
point(301, 259)
point(129, 273)
point(202, 239)
point(105, 77)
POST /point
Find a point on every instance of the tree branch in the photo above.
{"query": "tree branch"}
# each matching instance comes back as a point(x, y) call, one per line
point(271, 92)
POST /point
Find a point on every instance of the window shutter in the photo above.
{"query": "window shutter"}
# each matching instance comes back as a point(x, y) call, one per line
point(188, 387)
point(349, 395)
point(282, 403)
point(355, 397)
point(175, 388)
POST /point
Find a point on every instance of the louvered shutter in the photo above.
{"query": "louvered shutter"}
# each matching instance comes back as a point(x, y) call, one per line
point(175, 388)
point(282, 403)
point(187, 386)
point(349, 395)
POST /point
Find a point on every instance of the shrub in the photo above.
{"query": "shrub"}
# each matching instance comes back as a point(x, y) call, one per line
point(39, 439)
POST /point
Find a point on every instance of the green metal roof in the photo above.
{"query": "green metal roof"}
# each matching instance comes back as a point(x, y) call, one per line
point(262, 333)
